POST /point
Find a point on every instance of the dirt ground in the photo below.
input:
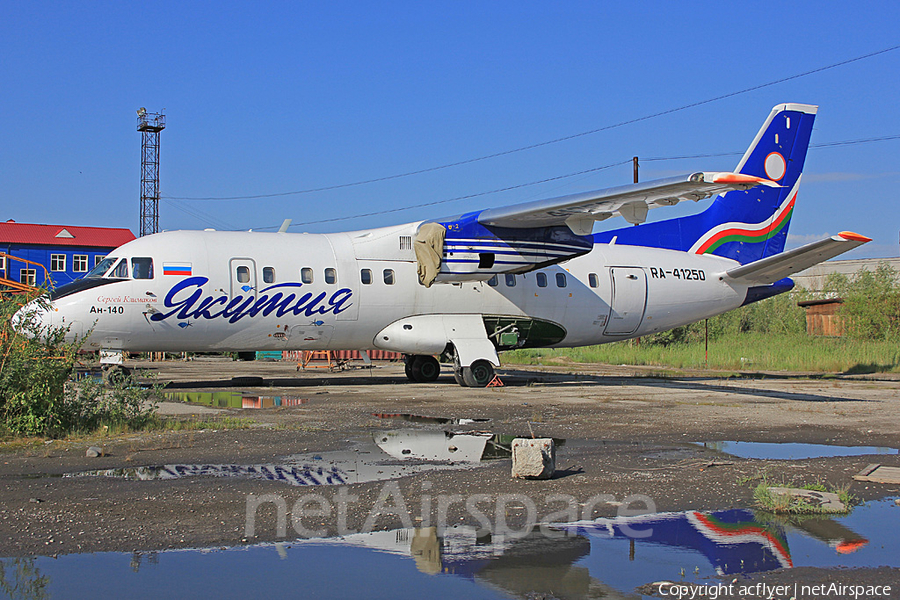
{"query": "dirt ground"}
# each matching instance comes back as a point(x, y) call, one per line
point(627, 431)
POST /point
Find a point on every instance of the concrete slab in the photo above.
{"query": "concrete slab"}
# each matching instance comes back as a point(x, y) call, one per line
point(879, 474)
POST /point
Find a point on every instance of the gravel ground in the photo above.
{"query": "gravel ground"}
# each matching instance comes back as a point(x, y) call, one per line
point(627, 431)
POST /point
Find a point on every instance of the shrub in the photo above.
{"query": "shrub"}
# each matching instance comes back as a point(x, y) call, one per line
point(38, 395)
point(871, 308)
point(35, 364)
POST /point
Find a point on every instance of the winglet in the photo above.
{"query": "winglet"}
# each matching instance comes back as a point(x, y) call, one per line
point(740, 178)
point(854, 237)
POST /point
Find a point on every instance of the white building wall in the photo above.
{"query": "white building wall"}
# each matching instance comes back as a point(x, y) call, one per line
point(814, 277)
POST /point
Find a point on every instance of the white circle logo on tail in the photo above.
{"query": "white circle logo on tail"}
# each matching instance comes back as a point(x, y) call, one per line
point(775, 166)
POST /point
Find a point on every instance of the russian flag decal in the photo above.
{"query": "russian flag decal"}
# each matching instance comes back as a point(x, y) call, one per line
point(181, 268)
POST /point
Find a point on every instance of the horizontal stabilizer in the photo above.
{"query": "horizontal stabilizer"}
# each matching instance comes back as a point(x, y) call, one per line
point(773, 268)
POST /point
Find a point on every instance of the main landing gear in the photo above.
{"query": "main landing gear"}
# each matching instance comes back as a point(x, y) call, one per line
point(425, 369)
point(422, 369)
point(479, 374)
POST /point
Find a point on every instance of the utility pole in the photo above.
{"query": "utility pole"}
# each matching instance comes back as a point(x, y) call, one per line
point(150, 124)
point(634, 163)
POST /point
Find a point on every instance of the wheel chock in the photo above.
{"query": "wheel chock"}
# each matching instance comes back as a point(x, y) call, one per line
point(495, 382)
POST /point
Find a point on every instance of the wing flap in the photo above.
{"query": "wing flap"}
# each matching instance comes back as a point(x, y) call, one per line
point(776, 267)
point(579, 211)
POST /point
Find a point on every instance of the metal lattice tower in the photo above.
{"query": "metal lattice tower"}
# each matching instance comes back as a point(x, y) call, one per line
point(150, 124)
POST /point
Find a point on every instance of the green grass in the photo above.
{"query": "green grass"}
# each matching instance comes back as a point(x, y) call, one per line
point(745, 351)
point(785, 504)
point(194, 424)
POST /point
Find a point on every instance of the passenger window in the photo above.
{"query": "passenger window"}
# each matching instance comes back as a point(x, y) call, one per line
point(142, 268)
point(121, 270)
point(243, 274)
point(389, 277)
point(268, 274)
point(365, 276)
point(560, 280)
point(493, 281)
point(510, 280)
point(306, 275)
point(593, 281)
point(541, 279)
point(330, 275)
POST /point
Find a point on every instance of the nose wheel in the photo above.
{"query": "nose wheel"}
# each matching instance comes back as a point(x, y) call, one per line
point(422, 369)
point(115, 374)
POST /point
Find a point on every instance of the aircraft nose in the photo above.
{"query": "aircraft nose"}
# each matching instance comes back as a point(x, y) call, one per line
point(35, 316)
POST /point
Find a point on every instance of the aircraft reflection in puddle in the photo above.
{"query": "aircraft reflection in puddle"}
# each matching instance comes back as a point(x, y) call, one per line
point(524, 567)
point(565, 565)
point(389, 455)
point(470, 447)
point(733, 541)
point(235, 399)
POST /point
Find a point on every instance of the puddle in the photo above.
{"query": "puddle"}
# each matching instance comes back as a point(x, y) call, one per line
point(592, 561)
point(791, 451)
point(386, 455)
point(692, 545)
point(234, 399)
point(430, 420)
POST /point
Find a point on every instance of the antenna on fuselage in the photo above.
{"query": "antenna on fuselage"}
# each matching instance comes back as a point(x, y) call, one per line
point(284, 226)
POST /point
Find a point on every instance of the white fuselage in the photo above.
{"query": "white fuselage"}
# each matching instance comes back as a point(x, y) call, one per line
point(234, 291)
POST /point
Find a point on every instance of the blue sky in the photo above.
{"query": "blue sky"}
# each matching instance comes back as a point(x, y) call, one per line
point(267, 98)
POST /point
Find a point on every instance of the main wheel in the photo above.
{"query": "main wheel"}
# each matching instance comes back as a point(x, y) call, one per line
point(425, 369)
point(408, 367)
point(479, 374)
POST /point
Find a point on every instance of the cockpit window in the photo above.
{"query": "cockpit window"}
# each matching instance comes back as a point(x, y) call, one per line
point(142, 268)
point(120, 271)
point(102, 267)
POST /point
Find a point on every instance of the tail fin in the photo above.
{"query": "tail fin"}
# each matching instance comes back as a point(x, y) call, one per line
point(742, 225)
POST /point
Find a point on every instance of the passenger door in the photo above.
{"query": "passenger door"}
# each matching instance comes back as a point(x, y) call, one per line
point(629, 299)
point(347, 274)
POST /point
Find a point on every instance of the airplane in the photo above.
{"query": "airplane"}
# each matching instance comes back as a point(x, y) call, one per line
point(467, 287)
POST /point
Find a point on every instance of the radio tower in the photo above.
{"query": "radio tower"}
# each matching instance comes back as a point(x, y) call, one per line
point(150, 124)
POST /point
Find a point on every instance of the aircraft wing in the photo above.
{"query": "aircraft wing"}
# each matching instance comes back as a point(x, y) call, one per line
point(579, 211)
point(778, 266)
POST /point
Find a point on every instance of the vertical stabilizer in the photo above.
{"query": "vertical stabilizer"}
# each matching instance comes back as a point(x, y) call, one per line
point(743, 225)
